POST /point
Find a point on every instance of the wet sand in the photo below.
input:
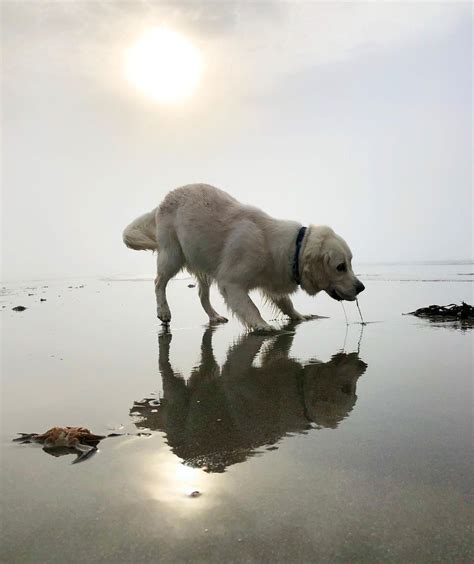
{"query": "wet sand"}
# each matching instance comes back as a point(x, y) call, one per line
point(324, 442)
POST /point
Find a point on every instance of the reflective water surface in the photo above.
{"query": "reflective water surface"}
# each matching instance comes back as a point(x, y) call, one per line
point(324, 442)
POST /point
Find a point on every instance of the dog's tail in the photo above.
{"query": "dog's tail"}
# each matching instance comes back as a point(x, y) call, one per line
point(140, 235)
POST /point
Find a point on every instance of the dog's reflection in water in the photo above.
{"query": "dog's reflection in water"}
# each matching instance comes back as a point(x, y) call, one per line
point(221, 416)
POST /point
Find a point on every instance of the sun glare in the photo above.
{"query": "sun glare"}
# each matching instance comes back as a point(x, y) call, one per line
point(164, 65)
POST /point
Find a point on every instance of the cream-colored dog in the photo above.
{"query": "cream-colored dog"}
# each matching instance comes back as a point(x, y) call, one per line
point(241, 248)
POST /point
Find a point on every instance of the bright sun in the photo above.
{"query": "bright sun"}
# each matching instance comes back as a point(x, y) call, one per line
point(164, 65)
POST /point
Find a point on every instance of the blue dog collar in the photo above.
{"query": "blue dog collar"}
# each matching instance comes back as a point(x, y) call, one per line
point(296, 258)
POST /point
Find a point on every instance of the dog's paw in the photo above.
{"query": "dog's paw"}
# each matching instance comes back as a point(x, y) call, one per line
point(264, 328)
point(164, 315)
point(218, 319)
point(306, 317)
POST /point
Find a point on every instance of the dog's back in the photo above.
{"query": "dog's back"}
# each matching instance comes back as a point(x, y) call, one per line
point(189, 212)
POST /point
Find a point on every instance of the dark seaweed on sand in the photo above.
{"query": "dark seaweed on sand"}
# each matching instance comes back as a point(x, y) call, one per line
point(449, 312)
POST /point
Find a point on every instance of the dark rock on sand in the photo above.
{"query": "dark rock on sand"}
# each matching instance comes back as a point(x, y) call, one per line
point(19, 308)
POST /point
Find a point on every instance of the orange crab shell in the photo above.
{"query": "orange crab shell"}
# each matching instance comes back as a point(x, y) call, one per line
point(68, 437)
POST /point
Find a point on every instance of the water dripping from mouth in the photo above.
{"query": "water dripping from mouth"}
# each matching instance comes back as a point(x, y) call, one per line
point(360, 313)
point(345, 314)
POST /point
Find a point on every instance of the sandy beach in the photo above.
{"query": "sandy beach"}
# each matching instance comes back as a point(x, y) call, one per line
point(322, 442)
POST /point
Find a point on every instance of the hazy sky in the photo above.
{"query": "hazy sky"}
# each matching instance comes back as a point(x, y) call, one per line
point(356, 115)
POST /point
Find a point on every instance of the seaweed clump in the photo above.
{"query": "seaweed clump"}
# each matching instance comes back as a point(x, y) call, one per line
point(448, 312)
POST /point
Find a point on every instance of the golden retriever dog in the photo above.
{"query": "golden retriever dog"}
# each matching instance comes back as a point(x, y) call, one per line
point(241, 248)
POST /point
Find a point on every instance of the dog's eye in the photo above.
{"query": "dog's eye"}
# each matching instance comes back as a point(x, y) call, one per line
point(341, 267)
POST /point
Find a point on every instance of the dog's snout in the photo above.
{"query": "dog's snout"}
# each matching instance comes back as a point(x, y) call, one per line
point(359, 287)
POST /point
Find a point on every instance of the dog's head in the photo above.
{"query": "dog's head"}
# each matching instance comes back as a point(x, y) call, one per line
point(326, 264)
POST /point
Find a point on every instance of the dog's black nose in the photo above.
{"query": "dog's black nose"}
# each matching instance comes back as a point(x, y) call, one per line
point(359, 287)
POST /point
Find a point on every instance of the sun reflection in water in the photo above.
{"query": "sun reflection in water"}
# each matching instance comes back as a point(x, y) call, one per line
point(172, 482)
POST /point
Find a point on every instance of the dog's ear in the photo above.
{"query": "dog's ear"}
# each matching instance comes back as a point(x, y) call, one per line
point(314, 260)
point(317, 235)
point(312, 274)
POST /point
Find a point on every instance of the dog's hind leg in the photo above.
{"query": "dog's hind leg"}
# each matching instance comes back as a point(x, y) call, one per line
point(170, 262)
point(240, 303)
point(214, 317)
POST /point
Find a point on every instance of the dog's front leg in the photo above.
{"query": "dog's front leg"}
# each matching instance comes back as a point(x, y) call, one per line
point(285, 305)
point(240, 303)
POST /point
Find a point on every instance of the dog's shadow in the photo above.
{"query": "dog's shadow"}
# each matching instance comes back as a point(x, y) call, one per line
point(223, 415)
